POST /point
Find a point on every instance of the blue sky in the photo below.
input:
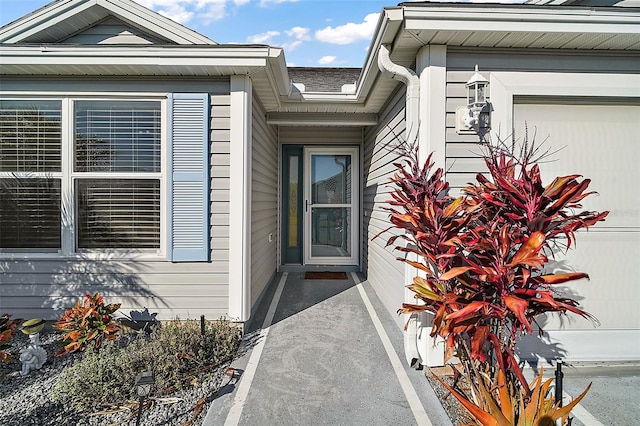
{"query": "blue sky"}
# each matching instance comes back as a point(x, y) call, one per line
point(332, 33)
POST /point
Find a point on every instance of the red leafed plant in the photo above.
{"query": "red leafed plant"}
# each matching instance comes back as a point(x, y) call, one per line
point(483, 254)
point(7, 330)
point(89, 321)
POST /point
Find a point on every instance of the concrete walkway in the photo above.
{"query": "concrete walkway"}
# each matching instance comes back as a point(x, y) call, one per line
point(325, 352)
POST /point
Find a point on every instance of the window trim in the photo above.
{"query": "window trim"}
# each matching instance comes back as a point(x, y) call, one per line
point(69, 249)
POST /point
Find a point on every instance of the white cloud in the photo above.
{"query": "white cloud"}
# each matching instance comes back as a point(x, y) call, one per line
point(288, 47)
point(177, 13)
point(350, 32)
point(263, 38)
point(183, 11)
point(299, 33)
point(265, 3)
point(326, 60)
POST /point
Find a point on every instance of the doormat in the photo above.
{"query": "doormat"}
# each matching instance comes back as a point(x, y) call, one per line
point(325, 275)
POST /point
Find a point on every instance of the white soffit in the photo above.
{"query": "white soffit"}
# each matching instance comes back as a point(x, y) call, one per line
point(524, 26)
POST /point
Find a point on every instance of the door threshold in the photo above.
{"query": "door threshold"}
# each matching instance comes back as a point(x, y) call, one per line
point(334, 268)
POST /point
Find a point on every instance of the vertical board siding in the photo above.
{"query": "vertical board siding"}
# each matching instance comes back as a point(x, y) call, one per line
point(383, 271)
point(46, 287)
point(264, 202)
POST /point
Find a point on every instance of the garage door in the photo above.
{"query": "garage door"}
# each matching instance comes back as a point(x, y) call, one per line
point(600, 142)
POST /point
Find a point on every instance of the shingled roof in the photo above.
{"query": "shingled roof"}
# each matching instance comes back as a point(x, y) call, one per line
point(323, 79)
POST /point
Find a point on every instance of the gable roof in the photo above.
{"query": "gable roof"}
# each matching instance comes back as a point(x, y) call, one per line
point(61, 19)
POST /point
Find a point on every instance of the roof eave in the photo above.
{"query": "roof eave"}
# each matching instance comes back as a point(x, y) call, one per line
point(56, 12)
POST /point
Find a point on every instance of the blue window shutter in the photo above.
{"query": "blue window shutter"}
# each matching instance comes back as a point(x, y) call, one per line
point(188, 177)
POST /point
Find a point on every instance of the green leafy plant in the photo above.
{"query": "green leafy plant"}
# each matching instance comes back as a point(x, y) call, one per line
point(174, 350)
point(7, 330)
point(88, 322)
point(483, 254)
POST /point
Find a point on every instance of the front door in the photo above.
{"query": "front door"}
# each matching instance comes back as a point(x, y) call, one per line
point(331, 206)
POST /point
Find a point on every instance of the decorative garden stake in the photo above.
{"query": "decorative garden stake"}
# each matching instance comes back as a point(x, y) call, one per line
point(202, 327)
point(559, 377)
point(144, 384)
point(33, 356)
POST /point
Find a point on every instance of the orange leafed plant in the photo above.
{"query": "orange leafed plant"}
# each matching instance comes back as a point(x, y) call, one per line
point(89, 321)
point(7, 330)
point(497, 403)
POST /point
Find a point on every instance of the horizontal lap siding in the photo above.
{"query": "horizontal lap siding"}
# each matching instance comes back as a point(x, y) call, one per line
point(264, 202)
point(384, 272)
point(321, 135)
point(44, 288)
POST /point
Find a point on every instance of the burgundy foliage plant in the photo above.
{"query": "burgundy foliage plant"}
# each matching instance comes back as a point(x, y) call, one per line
point(482, 255)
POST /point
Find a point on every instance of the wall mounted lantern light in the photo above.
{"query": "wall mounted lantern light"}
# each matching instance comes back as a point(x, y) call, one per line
point(475, 116)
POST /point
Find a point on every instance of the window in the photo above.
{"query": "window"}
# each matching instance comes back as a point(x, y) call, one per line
point(97, 188)
point(112, 138)
point(30, 175)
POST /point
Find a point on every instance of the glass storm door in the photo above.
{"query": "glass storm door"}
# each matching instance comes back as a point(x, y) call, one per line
point(331, 206)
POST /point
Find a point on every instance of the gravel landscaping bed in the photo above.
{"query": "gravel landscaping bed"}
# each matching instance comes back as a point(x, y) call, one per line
point(27, 400)
point(457, 413)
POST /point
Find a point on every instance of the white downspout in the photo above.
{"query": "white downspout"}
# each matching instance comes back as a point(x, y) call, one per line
point(412, 114)
point(412, 81)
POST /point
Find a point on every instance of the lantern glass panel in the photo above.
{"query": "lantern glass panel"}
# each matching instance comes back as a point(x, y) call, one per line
point(481, 95)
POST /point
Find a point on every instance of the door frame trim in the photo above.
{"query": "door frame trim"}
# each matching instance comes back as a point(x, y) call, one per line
point(354, 259)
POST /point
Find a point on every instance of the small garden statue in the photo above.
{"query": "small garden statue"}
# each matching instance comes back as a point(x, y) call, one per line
point(33, 356)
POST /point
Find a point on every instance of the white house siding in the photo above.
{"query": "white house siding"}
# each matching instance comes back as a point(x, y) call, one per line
point(264, 202)
point(383, 271)
point(45, 287)
point(599, 139)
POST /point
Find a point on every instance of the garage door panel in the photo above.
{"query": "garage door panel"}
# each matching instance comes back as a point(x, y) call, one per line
point(612, 293)
point(600, 142)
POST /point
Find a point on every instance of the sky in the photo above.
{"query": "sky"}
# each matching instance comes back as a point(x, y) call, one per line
point(329, 33)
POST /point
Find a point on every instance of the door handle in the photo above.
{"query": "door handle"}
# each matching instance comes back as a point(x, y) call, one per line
point(306, 206)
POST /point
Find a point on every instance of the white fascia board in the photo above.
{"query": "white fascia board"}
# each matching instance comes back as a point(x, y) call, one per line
point(322, 119)
point(40, 20)
point(130, 11)
point(389, 24)
point(327, 97)
point(205, 56)
point(161, 25)
point(277, 74)
point(558, 20)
